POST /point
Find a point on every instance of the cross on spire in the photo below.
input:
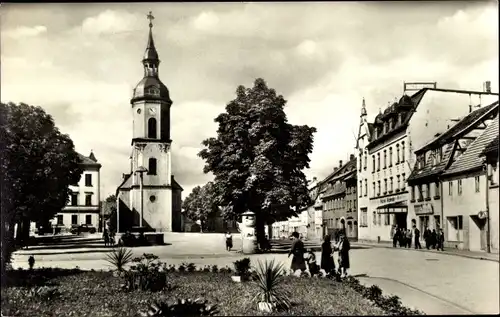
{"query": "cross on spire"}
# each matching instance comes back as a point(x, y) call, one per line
point(150, 18)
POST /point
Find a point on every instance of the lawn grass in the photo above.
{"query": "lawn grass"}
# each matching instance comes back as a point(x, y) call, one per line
point(98, 294)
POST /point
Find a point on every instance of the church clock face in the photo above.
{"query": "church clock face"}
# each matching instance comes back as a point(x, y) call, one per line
point(152, 111)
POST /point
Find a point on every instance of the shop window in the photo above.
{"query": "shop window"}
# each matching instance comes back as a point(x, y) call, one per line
point(387, 220)
point(455, 229)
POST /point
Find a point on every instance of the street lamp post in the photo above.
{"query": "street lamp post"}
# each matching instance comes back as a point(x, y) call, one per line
point(141, 170)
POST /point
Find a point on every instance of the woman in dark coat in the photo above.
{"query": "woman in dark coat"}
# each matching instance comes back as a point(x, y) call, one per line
point(327, 262)
point(344, 247)
point(297, 250)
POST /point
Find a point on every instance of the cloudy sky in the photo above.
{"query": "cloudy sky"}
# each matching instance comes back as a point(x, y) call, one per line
point(80, 63)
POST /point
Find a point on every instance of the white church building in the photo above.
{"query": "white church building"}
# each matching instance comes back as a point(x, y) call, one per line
point(154, 203)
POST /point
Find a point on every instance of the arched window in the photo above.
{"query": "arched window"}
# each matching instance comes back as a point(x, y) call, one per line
point(152, 166)
point(152, 128)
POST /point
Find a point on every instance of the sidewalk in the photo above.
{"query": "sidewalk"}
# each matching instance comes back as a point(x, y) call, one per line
point(495, 257)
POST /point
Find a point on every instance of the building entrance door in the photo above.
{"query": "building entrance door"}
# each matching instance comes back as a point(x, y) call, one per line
point(477, 234)
point(401, 220)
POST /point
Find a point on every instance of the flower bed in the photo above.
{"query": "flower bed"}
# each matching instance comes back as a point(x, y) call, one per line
point(101, 294)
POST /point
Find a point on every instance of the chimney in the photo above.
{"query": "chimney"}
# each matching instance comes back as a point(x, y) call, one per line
point(351, 157)
point(340, 163)
point(487, 86)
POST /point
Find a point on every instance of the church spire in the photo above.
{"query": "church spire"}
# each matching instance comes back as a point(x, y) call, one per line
point(363, 108)
point(150, 60)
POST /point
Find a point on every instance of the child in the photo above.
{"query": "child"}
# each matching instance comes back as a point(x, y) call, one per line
point(229, 241)
point(311, 263)
point(31, 261)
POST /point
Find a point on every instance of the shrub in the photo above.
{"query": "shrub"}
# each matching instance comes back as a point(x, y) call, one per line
point(181, 308)
point(127, 240)
point(206, 268)
point(119, 257)
point(373, 293)
point(45, 293)
point(145, 274)
point(269, 277)
point(391, 304)
point(215, 269)
point(190, 267)
point(181, 268)
point(242, 267)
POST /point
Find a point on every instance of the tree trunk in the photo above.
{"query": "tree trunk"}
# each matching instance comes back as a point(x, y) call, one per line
point(260, 228)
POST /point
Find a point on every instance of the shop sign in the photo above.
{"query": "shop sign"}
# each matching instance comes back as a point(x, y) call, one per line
point(424, 209)
point(392, 199)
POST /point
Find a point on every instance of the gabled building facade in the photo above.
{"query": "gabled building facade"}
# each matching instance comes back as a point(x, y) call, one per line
point(404, 126)
point(426, 190)
point(466, 191)
point(83, 203)
point(340, 199)
point(490, 155)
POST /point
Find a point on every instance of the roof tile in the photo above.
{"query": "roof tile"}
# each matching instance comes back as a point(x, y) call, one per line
point(471, 158)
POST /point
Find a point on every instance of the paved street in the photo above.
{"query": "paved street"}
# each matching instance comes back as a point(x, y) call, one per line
point(434, 283)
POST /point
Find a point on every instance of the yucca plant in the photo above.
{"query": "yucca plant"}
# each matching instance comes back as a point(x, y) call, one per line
point(119, 257)
point(268, 276)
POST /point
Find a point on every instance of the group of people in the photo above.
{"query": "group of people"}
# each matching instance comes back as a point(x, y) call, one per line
point(108, 236)
point(301, 256)
point(433, 239)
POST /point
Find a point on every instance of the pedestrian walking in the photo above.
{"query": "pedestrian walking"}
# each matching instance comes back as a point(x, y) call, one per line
point(343, 247)
point(229, 241)
point(434, 237)
point(327, 262)
point(440, 240)
point(396, 237)
point(297, 250)
point(402, 238)
point(417, 237)
point(105, 236)
point(408, 238)
point(427, 237)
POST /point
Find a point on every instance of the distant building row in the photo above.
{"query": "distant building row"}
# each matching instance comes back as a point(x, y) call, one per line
point(428, 160)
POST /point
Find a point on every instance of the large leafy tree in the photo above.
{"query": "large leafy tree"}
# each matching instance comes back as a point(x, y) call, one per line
point(201, 203)
point(38, 163)
point(109, 210)
point(258, 157)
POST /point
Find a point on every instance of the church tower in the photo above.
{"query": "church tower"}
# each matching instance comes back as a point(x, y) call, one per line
point(152, 190)
point(364, 176)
